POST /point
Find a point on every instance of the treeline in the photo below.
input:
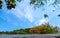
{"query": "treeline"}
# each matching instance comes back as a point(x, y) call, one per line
point(42, 29)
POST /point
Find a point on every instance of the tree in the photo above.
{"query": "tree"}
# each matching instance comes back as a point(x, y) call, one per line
point(9, 3)
point(12, 3)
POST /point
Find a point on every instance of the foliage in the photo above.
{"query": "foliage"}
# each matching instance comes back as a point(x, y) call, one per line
point(44, 2)
point(32, 1)
point(9, 3)
point(42, 29)
point(12, 3)
point(45, 15)
point(0, 4)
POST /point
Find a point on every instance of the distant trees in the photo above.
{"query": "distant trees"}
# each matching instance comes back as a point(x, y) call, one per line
point(43, 29)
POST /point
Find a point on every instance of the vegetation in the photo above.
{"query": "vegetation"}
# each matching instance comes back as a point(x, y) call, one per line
point(45, 15)
point(12, 3)
point(42, 29)
point(9, 3)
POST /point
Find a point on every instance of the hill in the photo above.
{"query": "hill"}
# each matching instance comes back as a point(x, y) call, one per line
point(41, 29)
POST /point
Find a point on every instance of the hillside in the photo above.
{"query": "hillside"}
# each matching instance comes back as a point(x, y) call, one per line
point(41, 29)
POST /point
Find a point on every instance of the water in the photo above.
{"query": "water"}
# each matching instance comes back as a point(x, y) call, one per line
point(29, 36)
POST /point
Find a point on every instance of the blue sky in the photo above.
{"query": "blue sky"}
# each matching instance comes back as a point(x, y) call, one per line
point(25, 16)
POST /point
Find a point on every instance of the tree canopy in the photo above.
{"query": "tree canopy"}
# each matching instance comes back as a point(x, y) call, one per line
point(12, 3)
point(9, 3)
point(37, 3)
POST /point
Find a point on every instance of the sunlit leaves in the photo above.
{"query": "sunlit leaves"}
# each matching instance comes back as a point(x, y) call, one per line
point(0, 4)
point(10, 4)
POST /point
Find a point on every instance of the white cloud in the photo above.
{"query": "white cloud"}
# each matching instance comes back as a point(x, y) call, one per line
point(23, 11)
point(28, 14)
point(29, 17)
point(17, 12)
point(42, 21)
